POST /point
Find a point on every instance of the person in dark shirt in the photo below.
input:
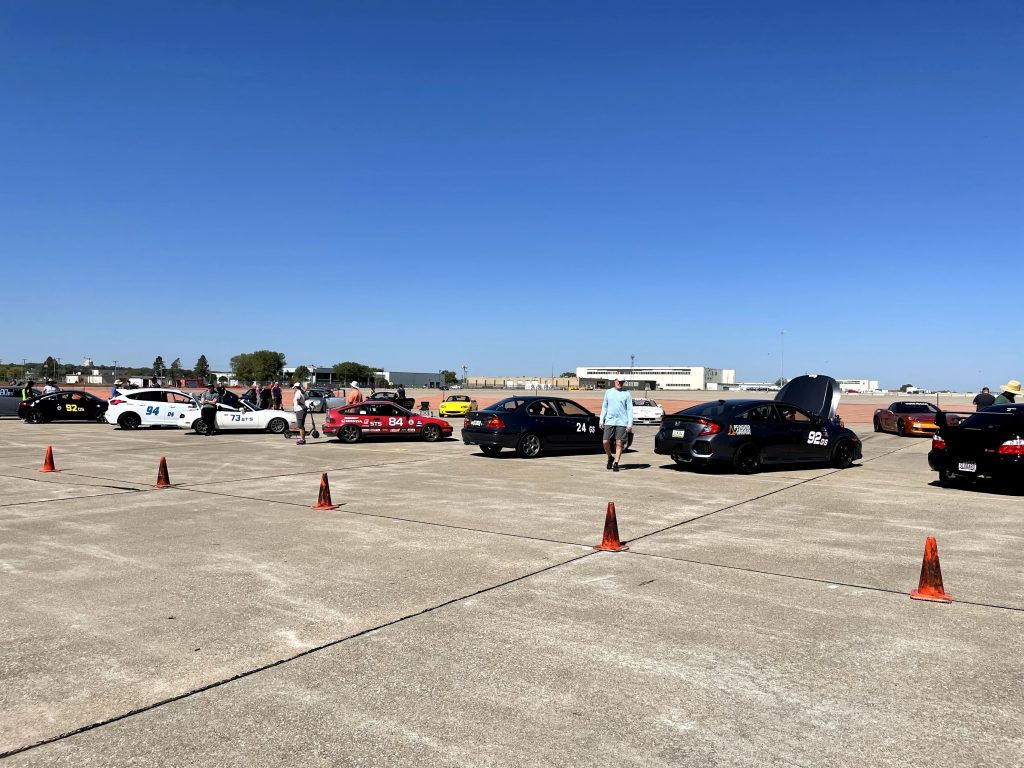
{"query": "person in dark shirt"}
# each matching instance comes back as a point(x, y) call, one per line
point(1010, 390)
point(983, 399)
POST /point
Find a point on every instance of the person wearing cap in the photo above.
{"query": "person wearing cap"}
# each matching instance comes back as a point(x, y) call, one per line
point(51, 387)
point(356, 395)
point(299, 407)
point(208, 407)
point(1010, 390)
point(616, 420)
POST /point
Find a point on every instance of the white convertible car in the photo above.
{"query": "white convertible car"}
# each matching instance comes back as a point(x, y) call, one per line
point(241, 418)
point(647, 412)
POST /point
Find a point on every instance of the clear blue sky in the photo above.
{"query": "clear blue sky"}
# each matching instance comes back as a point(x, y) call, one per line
point(518, 186)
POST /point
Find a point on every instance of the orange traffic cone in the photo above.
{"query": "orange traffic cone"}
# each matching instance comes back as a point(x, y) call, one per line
point(610, 542)
point(323, 501)
point(162, 480)
point(930, 587)
point(48, 461)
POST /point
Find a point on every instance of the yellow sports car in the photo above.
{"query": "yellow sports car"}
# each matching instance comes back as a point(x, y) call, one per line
point(456, 405)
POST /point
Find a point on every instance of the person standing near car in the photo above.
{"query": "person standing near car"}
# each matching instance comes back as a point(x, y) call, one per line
point(616, 420)
point(1011, 389)
point(208, 408)
point(356, 395)
point(264, 397)
point(983, 399)
point(51, 387)
point(26, 391)
point(299, 407)
point(276, 393)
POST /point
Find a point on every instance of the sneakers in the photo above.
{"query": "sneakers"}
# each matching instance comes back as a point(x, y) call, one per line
point(300, 442)
point(610, 462)
point(615, 467)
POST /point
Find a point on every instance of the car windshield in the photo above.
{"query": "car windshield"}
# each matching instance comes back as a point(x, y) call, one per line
point(915, 408)
point(644, 404)
point(713, 410)
point(508, 404)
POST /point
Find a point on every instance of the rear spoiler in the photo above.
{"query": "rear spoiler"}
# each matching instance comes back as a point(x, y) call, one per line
point(955, 417)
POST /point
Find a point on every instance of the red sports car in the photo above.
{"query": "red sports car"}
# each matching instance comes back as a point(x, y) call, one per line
point(351, 422)
point(907, 418)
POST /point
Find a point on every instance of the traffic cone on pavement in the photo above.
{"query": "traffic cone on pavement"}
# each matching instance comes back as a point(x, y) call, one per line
point(48, 461)
point(323, 501)
point(162, 480)
point(930, 586)
point(610, 541)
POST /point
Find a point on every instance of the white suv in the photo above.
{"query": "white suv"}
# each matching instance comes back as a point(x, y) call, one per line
point(133, 408)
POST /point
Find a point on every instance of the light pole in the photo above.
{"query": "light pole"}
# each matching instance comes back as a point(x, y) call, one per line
point(115, 372)
point(465, 375)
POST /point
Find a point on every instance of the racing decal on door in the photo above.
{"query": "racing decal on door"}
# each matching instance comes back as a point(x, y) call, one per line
point(739, 429)
point(582, 427)
point(817, 438)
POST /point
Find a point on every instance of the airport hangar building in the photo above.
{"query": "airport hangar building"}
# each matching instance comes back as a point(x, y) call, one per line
point(637, 378)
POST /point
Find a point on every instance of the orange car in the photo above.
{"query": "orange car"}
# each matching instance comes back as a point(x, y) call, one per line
point(907, 418)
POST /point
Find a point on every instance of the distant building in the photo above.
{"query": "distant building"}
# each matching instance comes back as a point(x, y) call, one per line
point(693, 377)
point(523, 382)
point(858, 385)
point(431, 380)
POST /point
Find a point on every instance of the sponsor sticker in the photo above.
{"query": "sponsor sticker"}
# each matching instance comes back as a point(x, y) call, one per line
point(739, 429)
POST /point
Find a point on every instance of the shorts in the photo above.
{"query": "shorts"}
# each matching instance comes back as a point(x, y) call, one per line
point(300, 418)
point(614, 432)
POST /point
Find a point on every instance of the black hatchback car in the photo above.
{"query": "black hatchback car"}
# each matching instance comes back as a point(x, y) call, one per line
point(532, 425)
point(987, 445)
point(68, 405)
point(799, 426)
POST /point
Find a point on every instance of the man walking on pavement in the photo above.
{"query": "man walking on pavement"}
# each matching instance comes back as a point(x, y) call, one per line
point(299, 407)
point(616, 420)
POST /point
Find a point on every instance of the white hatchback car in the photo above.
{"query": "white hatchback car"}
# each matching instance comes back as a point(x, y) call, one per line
point(240, 418)
point(132, 408)
point(647, 412)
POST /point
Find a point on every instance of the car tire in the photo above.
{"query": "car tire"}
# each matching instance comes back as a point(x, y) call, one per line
point(842, 455)
point(199, 427)
point(529, 446)
point(101, 419)
point(490, 450)
point(877, 424)
point(901, 428)
point(349, 433)
point(430, 433)
point(747, 459)
point(33, 417)
point(129, 420)
point(277, 426)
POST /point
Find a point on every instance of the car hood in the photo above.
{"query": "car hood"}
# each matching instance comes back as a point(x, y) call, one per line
point(815, 394)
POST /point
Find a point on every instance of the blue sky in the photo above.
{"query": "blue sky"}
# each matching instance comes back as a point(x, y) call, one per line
point(518, 186)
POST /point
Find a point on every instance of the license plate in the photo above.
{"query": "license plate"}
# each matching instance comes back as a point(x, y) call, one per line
point(475, 423)
point(678, 433)
point(967, 466)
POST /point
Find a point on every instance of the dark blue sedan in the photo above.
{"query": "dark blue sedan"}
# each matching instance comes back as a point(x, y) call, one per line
point(533, 425)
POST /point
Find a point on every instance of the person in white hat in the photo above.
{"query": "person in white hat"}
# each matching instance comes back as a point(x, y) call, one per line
point(356, 395)
point(299, 407)
point(1010, 390)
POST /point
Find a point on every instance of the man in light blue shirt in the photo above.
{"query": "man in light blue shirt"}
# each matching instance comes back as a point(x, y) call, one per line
point(616, 421)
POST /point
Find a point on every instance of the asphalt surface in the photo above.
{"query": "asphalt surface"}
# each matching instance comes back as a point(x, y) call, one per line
point(452, 611)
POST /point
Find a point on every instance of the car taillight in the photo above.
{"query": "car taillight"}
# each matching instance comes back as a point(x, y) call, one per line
point(117, 401)
point(938, 444)
point(495, 423)
point(708, 427)
point(465, 422)
point(1013, 447)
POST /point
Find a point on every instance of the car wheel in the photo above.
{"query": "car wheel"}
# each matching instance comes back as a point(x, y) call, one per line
point(490, 450)
point(901, 428)
point(34, 417)
point(349, 434)
point(101, 418)
point(199, 427)
point(431, 433)
point(278, 426)
point(129, 420)
point(877, 424)
point(842, 456)
point(747, 459)
point(529, 446)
